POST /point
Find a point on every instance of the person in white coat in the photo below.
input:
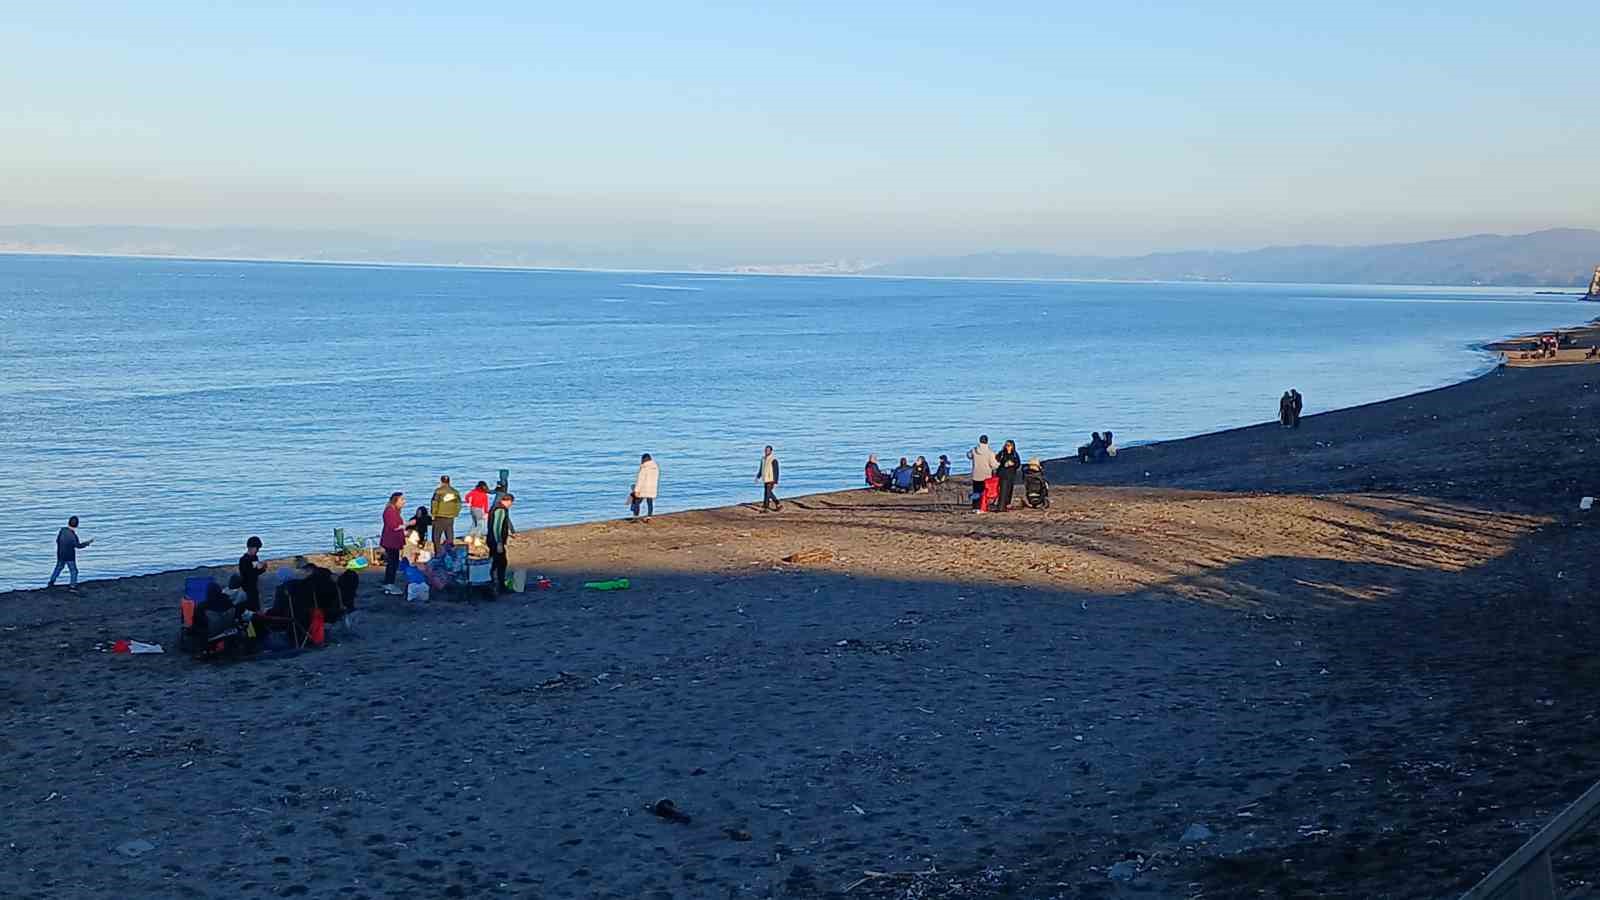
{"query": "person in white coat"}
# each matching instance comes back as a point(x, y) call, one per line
point(984, 466)
point(645, 486)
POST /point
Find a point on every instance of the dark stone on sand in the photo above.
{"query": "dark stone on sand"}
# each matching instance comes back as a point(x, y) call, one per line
point(668, 810)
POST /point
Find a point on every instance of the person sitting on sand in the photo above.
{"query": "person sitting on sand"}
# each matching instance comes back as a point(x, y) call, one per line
point(904, 478)
point(1094, 451)
point(1110, 449)
point(920, 474)
point(875, 477)
point(942, 474)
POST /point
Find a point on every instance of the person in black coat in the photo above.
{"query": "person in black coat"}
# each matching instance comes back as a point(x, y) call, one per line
point(1010, 468)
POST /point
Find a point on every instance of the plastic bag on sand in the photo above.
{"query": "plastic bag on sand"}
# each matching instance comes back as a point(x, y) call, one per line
point(126, 646)
point(518, 581)
point(417, 592)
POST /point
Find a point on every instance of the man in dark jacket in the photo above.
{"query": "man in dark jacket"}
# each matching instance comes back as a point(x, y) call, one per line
point(250, 568)
point(67, 544)
point(500, 532)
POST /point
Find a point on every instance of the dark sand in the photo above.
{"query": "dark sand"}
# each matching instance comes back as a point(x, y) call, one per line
point(1361, 654)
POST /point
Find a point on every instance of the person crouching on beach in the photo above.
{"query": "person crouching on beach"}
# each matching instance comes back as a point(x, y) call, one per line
point(942, 474)
point(646, 484)
point(478, 506)
point(67, 546)
point(422, 524)
point(393, 539)
point(768, 476)
point(445, 507)
point(500, 532)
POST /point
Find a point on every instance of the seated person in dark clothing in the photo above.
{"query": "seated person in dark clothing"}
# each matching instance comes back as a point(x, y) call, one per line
point(876, 479)
point(920, 474)
point(904, 478)
point(1093, 451)
point(942, 474)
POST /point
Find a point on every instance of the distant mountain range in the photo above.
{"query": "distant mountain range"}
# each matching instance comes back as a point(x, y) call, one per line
point(1560, 257)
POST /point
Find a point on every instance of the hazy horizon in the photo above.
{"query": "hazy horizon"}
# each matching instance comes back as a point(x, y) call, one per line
point(836, 132)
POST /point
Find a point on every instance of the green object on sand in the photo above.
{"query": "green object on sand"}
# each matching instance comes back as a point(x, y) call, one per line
point(615, 584)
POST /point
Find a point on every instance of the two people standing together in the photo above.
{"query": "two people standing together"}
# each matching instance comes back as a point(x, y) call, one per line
point(994, 475)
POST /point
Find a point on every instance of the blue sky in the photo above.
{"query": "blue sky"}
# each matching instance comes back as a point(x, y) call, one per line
point(813, 130)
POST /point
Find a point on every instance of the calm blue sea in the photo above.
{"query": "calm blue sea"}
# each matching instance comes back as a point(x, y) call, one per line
point(181, 406)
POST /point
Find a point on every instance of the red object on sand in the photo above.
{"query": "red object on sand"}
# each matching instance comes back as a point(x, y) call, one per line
point(121, 647)
point(991, 492)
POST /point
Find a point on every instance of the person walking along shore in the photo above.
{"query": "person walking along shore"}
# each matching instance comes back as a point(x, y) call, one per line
point(67, 546)
point(646, 484)
point(768, 476)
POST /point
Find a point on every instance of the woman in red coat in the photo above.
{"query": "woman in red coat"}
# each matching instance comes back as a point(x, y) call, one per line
point(393, 539)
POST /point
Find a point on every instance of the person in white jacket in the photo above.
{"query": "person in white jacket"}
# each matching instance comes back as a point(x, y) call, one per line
point(984, 466)
point(645, 486)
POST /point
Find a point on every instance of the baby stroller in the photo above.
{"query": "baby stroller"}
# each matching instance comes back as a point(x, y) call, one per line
point(1036, 491)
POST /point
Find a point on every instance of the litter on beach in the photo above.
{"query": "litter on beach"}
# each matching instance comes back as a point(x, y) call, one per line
point(127, 646)
point(1586, 503)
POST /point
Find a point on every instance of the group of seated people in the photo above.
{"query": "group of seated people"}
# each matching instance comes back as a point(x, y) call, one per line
point(307, 598)
point(1099, 449)
point(908, 477)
